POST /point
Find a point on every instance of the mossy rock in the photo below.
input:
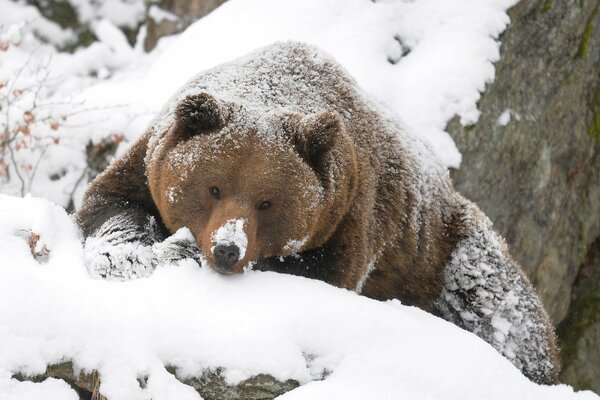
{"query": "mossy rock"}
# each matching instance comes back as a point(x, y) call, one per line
point(579, 334)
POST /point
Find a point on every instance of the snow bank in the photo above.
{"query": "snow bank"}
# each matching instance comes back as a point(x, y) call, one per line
point(193, 318)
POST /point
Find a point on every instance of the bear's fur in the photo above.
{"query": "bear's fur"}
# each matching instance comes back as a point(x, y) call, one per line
point(282, 148)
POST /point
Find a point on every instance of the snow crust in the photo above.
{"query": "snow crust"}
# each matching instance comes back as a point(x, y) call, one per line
point(194, 319)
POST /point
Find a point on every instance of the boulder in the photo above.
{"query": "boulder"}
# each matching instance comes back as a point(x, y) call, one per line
point(532, 161)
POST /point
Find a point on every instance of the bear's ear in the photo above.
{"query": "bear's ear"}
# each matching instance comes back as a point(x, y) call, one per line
point(317, 135)
point(197, 114)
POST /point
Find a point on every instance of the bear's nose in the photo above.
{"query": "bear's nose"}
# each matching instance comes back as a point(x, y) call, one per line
point(226, 256)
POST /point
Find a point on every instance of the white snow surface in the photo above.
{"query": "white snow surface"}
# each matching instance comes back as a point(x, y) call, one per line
point(194, 319)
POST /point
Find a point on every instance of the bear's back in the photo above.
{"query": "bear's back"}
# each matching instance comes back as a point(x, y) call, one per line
point(291, 75)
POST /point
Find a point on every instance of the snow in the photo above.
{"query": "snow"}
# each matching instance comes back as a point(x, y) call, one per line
point(158, 14)
point(232, 233)
point(506, 115)
point(195, 319)
point(125, 13)
point(504, 118)
point(295, 245)
point(363, 279)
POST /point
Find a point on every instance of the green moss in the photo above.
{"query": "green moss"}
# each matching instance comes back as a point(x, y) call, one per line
point(547, 6)
point(584, 44)
point(594, 128)
point(583, 313)
point(470, 127)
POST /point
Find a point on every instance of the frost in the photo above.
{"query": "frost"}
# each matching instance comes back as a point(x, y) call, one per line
point(179, 246)
point(231, 233)
point(171, 194)
point(295, 245)
point(486, 293)
point(363, 279)
point(118, 251)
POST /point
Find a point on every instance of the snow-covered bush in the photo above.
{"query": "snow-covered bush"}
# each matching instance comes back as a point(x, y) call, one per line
point(47, 130)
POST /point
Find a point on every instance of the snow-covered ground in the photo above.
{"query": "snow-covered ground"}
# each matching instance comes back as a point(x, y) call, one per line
point(427, 60)
point(194, 319)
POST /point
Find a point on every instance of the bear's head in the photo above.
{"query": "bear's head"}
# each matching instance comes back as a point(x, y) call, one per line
point(251, 184)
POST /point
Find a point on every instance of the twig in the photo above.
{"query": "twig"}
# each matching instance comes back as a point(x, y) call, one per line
point(14, 163)
point(37, 164)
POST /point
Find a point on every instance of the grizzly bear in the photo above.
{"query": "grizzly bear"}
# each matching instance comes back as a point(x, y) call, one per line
point(278, 161)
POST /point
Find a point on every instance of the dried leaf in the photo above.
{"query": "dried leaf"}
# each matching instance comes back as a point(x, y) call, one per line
point(33, 244)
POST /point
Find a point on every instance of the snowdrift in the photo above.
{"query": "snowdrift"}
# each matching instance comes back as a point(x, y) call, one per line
point(335, 343)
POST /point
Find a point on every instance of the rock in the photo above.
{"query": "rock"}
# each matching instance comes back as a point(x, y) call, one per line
point(167, 17)
point(580, 332)
point(211, 385)
point(537, 175)
point(532, 161)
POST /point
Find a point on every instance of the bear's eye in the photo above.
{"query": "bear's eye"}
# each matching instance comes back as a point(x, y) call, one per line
point(265, 205)
point(215, 192)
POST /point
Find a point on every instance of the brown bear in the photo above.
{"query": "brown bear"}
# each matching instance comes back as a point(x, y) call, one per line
point(278, 161)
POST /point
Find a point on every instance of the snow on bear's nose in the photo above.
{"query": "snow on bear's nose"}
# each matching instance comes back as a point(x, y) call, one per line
point(229, 245)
